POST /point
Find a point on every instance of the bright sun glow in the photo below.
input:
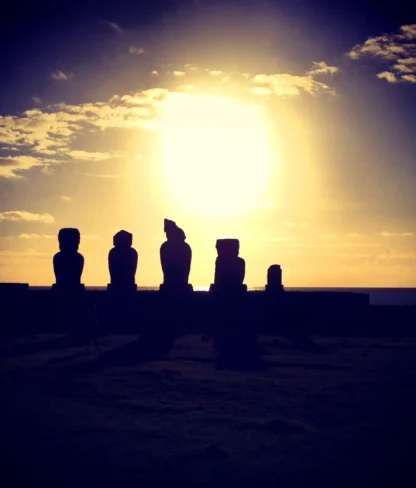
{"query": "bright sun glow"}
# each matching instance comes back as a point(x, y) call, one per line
point(216, 156)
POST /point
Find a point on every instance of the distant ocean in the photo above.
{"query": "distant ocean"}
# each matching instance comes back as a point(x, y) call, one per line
point(378, 296)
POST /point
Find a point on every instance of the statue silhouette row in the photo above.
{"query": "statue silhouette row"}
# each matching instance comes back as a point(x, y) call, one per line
point(175, 257)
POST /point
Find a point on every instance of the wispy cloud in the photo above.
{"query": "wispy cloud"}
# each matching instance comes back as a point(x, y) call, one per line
point(60, 76)
point(30, 236)
point(327, 237)
point(396, 234)
point(36, 236)
point(91, 156)
point(113, 26)
point(45, 133)
point(44, 137)
point(137, 50)
point(23, 216)
point(322, 68)
point(410, 78)
point(19, 255)
point(397, 49)
point(288, 85)
point(388, 76)
point(11, 166)
point(65, 198)
point(98, 175)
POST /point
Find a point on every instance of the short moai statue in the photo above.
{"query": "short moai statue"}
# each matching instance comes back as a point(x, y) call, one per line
point(229, 267)
point(68, 263)
point(175, 257)
point(274, 279)
point(122, 262)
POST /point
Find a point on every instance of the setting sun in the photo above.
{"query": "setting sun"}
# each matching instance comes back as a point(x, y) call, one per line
point(216, 157)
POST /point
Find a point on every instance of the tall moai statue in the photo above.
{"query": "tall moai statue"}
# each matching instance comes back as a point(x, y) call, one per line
point(274, 279)
point(68, 263)
point(230, 269)
point(122, 262)
point(175, 257)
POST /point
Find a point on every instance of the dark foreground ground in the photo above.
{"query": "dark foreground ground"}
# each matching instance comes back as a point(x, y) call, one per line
point(341, 417)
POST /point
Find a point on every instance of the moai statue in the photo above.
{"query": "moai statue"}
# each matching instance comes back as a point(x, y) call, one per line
point(274, 279)
point(229, 267)
point(68, 263)
point(122, 262)
point(234, 333)
point(175, 257)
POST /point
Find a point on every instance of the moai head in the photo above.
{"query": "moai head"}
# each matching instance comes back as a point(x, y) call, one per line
point(123, 240)
point(173, 232)
point(69, 239)
point(274, 275)
point(228, 248)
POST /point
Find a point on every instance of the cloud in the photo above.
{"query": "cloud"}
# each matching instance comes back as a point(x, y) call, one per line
point(327, 236)
point(397, 49)
point(388, 76)
point(10, 166)
point(353, 235)
point(136, 50)
point(396, 234)
point(26, 236)
point(155, 72)
point(60, 76)
point(410, 78)
point(36, 236)
point(65, 198)
point(36, 100)
point(98, 175)
point(29, 253)
point(43, 137)
point(45, 133)
point(321, 68)
point(23, 216)
point(113, 26)
point(261, 91)
point(287, 85)
point(91, 156)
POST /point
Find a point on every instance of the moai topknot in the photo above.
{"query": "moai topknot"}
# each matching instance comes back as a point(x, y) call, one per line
point(274, 279)
point(175, 257)
point(68, 263)
point(229, 267)
point(122, 262)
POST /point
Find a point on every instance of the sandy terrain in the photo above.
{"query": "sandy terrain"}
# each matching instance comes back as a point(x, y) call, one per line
point(341, 417)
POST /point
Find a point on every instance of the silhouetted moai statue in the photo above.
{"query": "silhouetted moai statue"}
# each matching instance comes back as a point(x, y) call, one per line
point(68, 263)
point(175, 257)
point(235, 337)
point(122, 262)
point(229, 267)
point(274, 279)
point(69, 293)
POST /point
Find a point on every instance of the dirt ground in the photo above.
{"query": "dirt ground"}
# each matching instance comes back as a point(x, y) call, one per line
point(340, 417)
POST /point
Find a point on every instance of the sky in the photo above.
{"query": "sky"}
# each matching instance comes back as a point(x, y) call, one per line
point(286, 124)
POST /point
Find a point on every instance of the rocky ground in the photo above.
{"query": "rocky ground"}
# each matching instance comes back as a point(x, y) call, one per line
point(339, 417)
